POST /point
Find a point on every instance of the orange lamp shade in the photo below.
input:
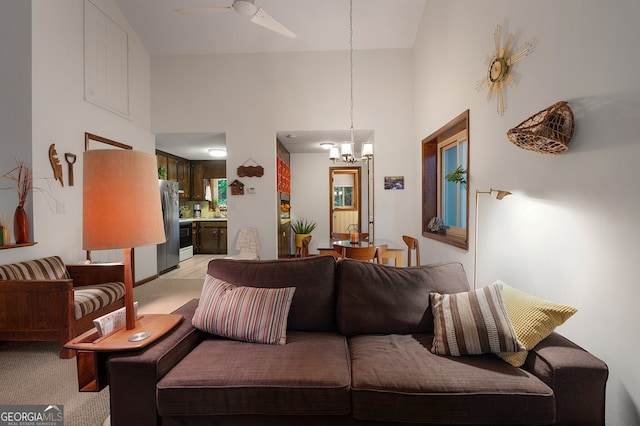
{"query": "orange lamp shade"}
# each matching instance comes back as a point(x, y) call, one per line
point(121, 200)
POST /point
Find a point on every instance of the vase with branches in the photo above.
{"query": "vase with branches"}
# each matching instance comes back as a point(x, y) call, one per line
point(23, 178)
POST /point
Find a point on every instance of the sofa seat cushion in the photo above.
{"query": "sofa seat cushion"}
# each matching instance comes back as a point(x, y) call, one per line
point(46, 268)
point(310, 375)
point(90, 298)
point(397, 378)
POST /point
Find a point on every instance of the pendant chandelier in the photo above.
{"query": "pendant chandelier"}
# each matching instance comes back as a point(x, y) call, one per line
point(346, 151)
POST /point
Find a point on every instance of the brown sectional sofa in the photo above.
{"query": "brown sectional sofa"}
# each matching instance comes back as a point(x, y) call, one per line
point(357, 352)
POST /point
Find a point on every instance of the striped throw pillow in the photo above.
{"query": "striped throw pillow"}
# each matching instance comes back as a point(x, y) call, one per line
point(472, 323)
point(250, 314)
point(533, 319)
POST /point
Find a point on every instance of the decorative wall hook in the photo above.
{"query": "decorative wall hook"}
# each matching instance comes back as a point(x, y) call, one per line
point(55, 164)
point(250, 169)
point(71, 159)
point(237, 187)
point(548, 131)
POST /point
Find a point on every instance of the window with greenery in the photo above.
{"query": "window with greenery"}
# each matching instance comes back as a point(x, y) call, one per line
point(453, 204)
point(220, 191)
point(445, 166)
point(345, 188)
point(342, 196)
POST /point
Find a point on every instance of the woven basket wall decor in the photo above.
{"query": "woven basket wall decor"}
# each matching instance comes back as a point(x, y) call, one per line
point(548, 132)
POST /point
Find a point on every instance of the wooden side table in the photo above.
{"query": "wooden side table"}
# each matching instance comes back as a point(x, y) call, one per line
point(93, 350)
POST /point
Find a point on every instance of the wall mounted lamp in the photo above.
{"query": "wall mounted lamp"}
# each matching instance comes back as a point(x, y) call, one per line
point(499, 194)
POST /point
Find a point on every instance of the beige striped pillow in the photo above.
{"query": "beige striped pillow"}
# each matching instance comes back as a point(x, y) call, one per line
point(472, 323)
point(250, 314)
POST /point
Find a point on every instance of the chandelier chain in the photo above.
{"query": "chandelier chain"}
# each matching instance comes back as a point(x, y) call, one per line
point(351, 65)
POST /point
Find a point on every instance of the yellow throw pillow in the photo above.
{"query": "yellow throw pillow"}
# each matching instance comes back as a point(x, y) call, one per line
point(532, 318)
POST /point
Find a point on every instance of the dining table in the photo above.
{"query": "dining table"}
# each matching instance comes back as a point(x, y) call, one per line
point(394, 249)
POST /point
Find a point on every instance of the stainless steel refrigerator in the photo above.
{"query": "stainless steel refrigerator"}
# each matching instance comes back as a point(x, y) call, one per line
point(169, 251)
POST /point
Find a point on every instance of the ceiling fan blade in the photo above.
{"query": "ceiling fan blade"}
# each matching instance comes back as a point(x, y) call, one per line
point(202, 10)
point(263, 19)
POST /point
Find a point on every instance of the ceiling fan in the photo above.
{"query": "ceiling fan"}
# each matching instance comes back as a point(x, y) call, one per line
point(245, 8)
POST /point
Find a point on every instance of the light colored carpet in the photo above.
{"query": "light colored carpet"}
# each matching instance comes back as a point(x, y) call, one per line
point(162, 296)
point(32, 373)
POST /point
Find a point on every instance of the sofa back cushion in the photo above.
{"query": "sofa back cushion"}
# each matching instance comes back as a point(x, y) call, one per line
point(314, 303)
point(380, 299)
point(47, 268)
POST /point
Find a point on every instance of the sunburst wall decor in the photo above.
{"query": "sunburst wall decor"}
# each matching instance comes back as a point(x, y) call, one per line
point(500, 65)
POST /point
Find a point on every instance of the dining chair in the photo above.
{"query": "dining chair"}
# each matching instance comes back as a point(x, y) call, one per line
point(412, 244)
point(304, 250)
point(381, 249)
point(339, 250)
point(359, 253)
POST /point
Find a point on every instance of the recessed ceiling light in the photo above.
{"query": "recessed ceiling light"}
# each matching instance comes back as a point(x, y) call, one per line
point(218, 152)
point(326, 145)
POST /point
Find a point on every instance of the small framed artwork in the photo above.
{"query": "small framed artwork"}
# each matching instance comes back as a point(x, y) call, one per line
point(394, 182)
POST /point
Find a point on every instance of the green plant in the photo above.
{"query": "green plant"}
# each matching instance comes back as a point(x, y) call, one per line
point(459, 175)
point(303, 226)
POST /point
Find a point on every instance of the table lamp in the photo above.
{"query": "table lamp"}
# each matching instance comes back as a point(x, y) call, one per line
point(121, 210)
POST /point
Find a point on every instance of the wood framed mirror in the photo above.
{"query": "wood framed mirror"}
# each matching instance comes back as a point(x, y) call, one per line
point(346, 203)
point(445, 171)
point(90, 141)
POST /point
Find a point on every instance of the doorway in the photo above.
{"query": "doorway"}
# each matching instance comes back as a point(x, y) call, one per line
point(345, 204)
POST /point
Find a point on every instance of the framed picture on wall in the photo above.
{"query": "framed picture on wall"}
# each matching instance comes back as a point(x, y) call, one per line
point(394, 182)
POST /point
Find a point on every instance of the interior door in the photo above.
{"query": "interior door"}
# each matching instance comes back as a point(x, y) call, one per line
point(345, 205)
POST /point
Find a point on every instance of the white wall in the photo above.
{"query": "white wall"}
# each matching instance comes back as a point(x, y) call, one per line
point(61, 116)
point(251, 97)
point(570, 231)
point(15, 100)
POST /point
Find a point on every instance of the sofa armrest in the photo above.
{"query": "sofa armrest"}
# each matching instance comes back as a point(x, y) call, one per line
point(133, 376)
point(95, 273)
point(578, 379)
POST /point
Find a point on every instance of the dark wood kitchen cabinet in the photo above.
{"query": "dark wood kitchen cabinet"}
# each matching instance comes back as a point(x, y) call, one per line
point(184, 179)
point(284, 239)
point(208, 169)
point(190, 174)
point(197, 184)
point(162, 162)
point(211, 237)
point(172, 168)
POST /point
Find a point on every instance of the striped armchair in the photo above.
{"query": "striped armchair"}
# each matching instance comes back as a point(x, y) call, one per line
point(44, 299)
